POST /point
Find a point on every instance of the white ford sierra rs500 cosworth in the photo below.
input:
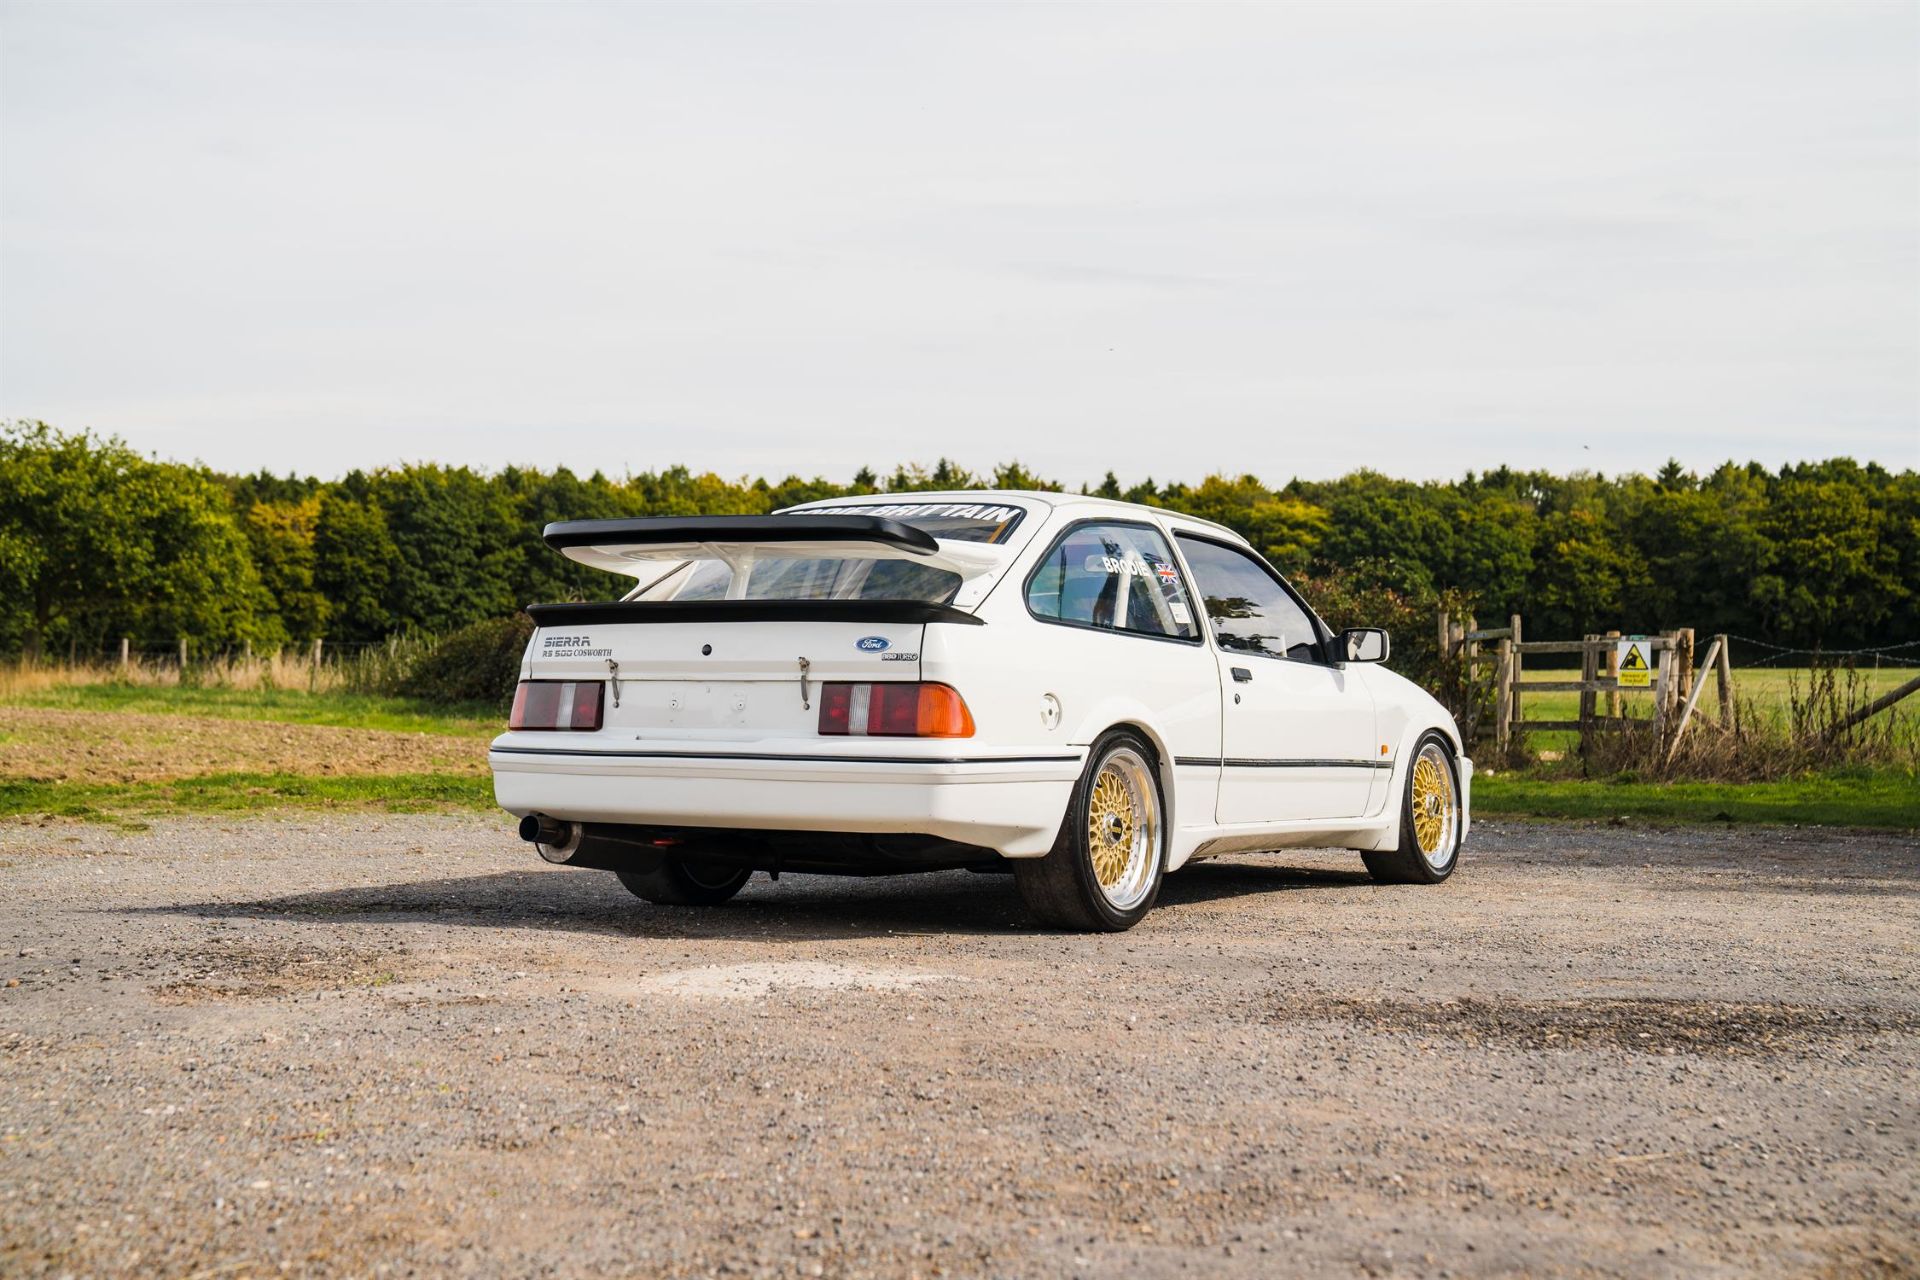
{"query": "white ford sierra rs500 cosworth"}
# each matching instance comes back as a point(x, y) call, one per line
point(1088, 693)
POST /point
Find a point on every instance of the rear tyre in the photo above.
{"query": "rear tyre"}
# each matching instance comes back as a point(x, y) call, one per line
point(685, 882)
point(1105, 867)
point(1430, 815)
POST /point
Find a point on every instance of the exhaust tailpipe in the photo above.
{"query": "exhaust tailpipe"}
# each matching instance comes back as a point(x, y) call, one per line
point(569, 844)
point(557, 841)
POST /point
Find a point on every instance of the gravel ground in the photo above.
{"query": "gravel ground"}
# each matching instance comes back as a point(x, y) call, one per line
point(399, 1045)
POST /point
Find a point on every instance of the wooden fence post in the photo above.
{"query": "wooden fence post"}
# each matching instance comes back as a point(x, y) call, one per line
point(126, 644)
point(1685, 638)
point(1469, 718)
point(1723, 673)
point(1612, 654)
point(1589, 666)
point(1503, 704)
point(313, 669)
point(1692, 701)
point(1873, 708)
point(183, 653)
point(1662, 665)
point(1514, 666)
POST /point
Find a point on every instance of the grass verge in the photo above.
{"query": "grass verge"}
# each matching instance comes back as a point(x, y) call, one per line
point(1883, 798)
point(284, 706)
point(238, 792)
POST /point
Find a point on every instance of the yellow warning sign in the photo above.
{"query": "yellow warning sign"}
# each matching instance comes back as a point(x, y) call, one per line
point(1635, 671)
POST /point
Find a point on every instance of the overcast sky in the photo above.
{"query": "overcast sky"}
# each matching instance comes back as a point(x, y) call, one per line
point(1164, 240)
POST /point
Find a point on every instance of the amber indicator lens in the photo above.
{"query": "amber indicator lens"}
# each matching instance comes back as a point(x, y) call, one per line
point(894, 710)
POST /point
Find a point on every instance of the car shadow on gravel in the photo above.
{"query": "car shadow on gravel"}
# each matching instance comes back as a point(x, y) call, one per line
point(1207, 881)
point(797, 908)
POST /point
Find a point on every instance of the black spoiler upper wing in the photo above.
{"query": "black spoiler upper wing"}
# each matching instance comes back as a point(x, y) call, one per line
point(655, 536)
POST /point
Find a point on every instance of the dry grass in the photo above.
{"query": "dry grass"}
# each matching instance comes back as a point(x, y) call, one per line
point(280, 671)
point(369, 670)
point(1783, 732)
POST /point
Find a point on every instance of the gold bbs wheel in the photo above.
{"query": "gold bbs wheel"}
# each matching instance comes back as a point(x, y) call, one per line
point(1435, 810)
point(1104, 869)
point(1432, 813)
point(1123, 828)
point(1432, 803)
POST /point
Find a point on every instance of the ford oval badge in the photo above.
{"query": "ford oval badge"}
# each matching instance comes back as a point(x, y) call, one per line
point(871, 644)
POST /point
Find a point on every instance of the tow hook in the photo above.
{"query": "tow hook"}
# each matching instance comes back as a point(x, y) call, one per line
point(613, 678)
point(806, 703)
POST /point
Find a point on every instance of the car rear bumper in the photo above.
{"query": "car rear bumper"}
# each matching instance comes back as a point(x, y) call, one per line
point(1013, 803)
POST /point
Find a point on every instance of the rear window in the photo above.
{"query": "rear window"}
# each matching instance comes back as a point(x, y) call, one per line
point(954, 521)
point(811, 578)
point(774, 577)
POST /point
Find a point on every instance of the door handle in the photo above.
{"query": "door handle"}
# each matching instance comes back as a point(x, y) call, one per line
point(1241, 675)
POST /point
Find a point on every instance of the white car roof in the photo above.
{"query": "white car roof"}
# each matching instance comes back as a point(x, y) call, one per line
point(1042, 498)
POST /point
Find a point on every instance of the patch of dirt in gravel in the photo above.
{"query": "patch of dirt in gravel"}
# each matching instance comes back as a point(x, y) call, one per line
point(757, 981)
point(1643, 1026)
point(248, 970)
point(46, 745)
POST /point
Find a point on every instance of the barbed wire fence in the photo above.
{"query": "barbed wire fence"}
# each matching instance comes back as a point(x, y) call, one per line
point(1905, 653)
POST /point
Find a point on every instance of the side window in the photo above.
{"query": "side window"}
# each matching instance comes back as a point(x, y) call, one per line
point(1113, 577)
point(1250, 611)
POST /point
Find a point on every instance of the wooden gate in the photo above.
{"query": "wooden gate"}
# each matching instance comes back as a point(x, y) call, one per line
point(1674, 688)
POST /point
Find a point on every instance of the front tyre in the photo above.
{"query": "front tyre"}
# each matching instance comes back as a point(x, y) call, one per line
point(685, 882)
point(1430, 816)
point(1104, 869)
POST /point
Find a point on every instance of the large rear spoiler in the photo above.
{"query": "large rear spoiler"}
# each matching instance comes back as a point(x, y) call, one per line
point(635, 546)
point(615, 545)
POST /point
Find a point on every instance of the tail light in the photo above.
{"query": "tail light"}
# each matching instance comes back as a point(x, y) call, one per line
point(897, 709)
point(557, 704)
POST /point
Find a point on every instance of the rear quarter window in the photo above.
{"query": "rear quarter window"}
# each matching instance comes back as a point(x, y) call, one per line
point(1112, 576)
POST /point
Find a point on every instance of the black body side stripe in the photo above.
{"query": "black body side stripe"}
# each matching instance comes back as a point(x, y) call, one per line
point(588, 754)
point(1215, 762)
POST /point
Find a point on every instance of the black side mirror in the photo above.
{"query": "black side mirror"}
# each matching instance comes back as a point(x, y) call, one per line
point(1362, 644)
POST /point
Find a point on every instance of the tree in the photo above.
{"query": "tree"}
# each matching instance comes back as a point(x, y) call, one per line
point(96, 540)
point(1393, 526)
point(200, 580)
point(1286, 529)
point(455, 540)
point(280, 537)
point(66, 546)
point(353, 558)
point(1584, 577)
point(1011, 475)
point(1828, 578)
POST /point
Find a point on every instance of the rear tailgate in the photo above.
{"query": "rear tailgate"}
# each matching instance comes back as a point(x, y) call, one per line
point(741, 619)
point(716, 670)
